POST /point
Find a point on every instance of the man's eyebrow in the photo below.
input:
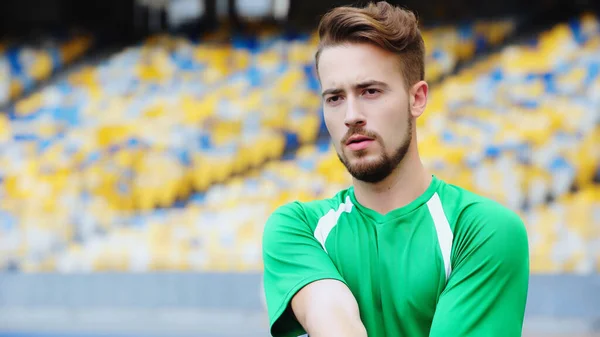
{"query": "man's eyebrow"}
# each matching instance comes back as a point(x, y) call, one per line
point(361, 85)
point(367, 84)
point(333, 91)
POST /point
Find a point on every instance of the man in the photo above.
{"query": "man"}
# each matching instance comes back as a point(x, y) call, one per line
point(400, 252)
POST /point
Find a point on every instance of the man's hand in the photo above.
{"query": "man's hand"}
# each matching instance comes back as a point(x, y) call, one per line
point(327, 308)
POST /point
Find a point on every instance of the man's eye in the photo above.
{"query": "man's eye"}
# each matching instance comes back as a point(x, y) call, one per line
point(371, 91)
point(333, 99)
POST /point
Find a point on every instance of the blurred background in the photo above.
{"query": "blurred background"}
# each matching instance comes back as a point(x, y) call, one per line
point(144, 143)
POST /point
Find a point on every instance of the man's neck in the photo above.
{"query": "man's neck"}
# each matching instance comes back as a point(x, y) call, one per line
point(406, 183)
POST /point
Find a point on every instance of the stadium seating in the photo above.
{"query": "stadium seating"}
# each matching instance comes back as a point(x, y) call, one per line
point(24, 64)
point(530, 118)
point(193, 106)
point(168, 154)
point(565, 235)
point(446, 46)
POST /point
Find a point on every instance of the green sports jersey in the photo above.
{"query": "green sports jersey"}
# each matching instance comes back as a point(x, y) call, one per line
point(450, 263)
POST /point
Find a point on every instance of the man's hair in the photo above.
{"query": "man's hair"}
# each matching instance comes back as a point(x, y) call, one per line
point(389, 27)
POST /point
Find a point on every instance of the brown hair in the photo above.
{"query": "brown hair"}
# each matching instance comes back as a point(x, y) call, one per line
point(389, 27)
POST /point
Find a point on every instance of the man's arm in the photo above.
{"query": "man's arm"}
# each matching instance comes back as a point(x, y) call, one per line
point(327, 308)
point(487, 290)
point(304, 290)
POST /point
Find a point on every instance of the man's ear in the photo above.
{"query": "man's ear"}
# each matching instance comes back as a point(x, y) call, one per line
point(418, 98)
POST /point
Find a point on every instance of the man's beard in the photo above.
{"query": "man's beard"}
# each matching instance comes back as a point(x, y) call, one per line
point(378, 170)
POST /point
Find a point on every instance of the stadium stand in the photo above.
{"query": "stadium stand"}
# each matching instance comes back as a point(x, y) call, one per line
point(23, 64)
point(524, 124)
point(169, 155)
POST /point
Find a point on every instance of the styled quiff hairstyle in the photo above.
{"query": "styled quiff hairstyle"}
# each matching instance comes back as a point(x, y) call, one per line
point(389, 27)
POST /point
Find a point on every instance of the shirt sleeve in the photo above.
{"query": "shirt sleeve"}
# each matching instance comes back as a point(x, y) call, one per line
point(486, 293)
point(292, 259)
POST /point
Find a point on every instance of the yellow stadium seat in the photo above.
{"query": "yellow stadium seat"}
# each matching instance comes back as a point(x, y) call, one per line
point(74, 48)
point(247, 156)
point(299, 54)
point(5, 130)
point(306, 128)
point(223, 166)
point(434, 72)
point(586, 158)
point(290, 81)
point(574, 78)
point(275, 145)
point(112, 135)
point(197, 110)
point(86, 76)
point(184, 185)
point(240, 60)
point(465, 49)
point(41, 67)
point(225, 131)
point(143, 197)
point(306, 151)
point(169, 188)
point(268, 147)
point(201, 171)
point(16, 88)
point(269, 59)
point(273, 117)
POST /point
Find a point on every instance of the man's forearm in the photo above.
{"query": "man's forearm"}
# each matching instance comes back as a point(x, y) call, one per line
point(336, 326)
point(327, 308)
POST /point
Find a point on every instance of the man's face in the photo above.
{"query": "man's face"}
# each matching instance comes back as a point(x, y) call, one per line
point(366, 109)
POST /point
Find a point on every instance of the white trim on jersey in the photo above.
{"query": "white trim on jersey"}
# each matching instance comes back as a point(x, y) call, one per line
point(329, 220)
point(444, 232)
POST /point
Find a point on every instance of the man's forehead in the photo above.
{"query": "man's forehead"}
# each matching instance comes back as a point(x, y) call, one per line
point(356, 78)
point(348, 65)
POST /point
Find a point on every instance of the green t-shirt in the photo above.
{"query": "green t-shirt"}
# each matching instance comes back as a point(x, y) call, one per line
point(450, 263)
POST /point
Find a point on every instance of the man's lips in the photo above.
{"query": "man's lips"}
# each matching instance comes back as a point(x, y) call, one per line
point(358, 142)
point(357, 139)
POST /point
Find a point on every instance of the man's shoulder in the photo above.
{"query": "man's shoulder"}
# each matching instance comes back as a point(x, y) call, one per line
point(484, 224)
point(311, 211)
point(477, 213)
point(473, 209)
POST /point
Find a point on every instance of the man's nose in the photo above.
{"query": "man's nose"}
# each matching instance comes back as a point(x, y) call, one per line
point(354, 114)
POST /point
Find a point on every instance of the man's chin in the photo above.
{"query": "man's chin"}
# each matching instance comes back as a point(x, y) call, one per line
point(362, 165)
point(366, 174)
point(362, 158)
point(369, 168)
point(366, 152)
